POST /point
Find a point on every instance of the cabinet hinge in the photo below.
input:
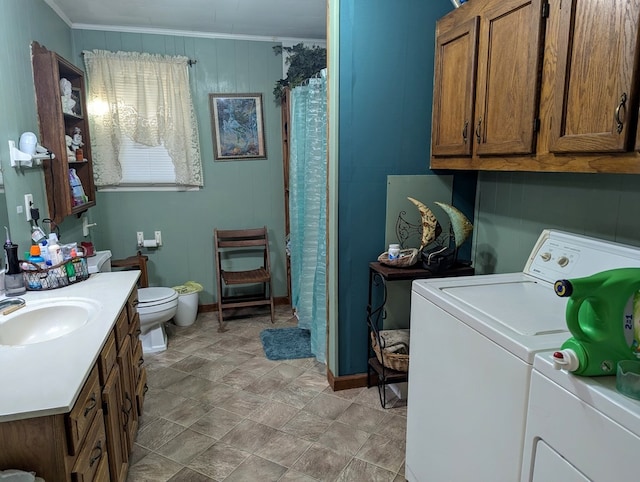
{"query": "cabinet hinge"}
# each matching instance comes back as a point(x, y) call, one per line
point(545, 10)
point(536, 125)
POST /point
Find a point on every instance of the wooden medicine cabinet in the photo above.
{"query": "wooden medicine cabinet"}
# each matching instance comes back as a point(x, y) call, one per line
point(60, 115)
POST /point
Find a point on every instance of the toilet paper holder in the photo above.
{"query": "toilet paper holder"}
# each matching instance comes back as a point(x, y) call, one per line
point(149, 243)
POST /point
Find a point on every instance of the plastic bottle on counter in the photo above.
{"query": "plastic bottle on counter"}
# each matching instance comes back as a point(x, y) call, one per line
point(603, 315)
point(71, 270)
point(35, 257)
point(44, 252)
point(394, 251)
point(31, 268)
point(55, 253)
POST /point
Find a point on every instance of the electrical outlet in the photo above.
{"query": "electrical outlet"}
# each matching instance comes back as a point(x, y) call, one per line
point(158, 236)
point(28, 203)
point(140, 238)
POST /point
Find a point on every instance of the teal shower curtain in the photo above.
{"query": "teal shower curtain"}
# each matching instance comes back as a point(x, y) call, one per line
point(307, 209)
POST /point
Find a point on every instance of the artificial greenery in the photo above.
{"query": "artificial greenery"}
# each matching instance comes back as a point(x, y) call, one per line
point(304, 63)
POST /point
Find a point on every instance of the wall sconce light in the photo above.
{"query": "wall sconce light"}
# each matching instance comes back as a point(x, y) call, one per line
point(29, 150)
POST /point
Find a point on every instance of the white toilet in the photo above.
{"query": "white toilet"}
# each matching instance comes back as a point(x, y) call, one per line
point(155, 306)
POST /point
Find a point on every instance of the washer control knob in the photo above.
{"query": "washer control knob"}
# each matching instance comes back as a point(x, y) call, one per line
point(563, 261)
point(545, 256)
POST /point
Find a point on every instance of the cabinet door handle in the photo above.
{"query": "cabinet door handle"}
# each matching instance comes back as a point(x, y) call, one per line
point(98, 455)
point(92, 404)
point(465, 131)
point(621, 106)
point(125, 422)
point(126, 411)
point(478, 130)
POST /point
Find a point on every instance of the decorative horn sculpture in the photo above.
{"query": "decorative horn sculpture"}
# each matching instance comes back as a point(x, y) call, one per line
point(460, 225)
point(430, 226)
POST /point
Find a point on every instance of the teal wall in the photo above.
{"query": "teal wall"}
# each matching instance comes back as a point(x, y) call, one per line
point(513, 208)
point(236, 194)
point(22, 21)
point(386, 85)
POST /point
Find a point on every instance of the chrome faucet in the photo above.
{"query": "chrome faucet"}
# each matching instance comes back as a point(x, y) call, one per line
point(9, 305)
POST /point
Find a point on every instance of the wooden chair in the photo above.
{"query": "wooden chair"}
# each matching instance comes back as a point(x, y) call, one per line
point(139, 261)
point(232, 247)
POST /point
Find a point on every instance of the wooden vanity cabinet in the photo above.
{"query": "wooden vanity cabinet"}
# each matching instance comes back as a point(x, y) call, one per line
point(65, 447)
point(54, 124)
point(94, 440)
point(493, 111)
point(112, 406)
point(596, 92)
point(139, 373)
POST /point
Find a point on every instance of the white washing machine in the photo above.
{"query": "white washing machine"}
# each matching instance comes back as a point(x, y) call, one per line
point(579, 428)
point(473, 343)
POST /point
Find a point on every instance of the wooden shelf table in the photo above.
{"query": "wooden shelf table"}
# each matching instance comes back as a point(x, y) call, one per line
point(379, 275)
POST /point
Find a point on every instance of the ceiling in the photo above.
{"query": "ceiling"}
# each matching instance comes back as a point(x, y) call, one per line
point(260, 19)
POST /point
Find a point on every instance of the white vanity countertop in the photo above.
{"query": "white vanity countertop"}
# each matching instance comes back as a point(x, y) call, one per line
point(46, 378)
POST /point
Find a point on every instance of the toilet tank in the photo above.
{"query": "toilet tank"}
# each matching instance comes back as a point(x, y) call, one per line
point(100, 263)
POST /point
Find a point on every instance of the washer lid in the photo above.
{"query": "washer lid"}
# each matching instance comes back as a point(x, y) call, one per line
point(156, 295)
point(528, 308)
point(516, 311)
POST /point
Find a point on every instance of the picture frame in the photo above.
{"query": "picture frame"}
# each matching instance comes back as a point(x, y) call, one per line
point(76, 95)
point(237, 125)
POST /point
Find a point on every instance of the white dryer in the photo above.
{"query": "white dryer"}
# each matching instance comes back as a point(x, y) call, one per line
point(579, 428)
point(473, 343)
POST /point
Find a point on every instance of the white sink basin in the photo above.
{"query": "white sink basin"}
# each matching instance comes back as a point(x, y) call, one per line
point(45, 320)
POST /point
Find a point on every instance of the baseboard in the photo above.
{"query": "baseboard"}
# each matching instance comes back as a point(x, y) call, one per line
point(213, 307)
point(346, 382)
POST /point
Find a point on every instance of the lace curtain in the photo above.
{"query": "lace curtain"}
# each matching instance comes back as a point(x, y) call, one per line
point(307, 209)
point(146, 98)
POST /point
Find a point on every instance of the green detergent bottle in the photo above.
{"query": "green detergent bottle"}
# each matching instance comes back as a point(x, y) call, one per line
point(603, 315)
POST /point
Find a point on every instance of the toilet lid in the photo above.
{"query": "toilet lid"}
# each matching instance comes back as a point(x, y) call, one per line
point(154, 296)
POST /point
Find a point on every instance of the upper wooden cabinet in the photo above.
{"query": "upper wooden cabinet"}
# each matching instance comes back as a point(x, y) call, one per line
point(505, 45)
point(556, 89)
point(453, 96)
point(56, 124)
point(511, 44)
point(594, 87)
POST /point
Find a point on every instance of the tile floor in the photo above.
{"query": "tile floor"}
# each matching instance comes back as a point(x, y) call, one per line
point(218, 410)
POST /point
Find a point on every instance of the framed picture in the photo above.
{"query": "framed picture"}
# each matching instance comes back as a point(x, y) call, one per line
point(76, 96)
point(238, 126)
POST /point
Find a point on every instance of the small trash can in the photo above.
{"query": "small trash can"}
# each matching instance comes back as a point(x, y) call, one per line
point(187, 303)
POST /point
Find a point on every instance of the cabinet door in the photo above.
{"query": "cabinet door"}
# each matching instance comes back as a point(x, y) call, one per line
point(91, 464)
point(113, 420)
point(510, 51)
point(129, 402)
point(454, 90)
point(594, 87)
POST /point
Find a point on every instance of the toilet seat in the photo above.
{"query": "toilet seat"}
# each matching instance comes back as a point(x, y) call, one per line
point(155, 299)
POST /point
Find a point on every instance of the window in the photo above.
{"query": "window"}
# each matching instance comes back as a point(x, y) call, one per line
point(143, 126)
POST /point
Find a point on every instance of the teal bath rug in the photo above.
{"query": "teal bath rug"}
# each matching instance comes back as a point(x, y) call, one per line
point(286, 343)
